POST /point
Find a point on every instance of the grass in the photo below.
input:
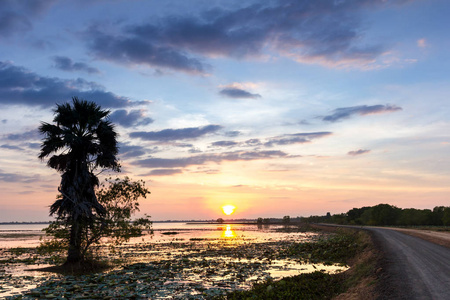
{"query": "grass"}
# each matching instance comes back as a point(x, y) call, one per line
point(338, 248)
point(315, 285)
point(345, 246)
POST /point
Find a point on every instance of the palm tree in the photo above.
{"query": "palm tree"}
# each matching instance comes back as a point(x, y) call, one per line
point(81, 140)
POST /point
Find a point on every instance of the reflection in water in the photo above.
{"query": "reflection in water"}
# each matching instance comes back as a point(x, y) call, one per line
point(214, 259)
point(228, 233)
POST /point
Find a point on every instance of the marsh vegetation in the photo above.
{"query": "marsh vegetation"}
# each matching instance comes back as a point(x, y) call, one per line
point(206, 268)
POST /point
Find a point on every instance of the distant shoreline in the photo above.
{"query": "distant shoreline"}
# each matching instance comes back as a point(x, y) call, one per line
point(24, 223)
point(273, 221)
point(193, 222)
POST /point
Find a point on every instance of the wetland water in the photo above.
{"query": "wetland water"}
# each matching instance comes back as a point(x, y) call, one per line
point(179, 261)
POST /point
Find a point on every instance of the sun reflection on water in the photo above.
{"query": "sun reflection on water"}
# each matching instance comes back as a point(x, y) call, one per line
point(228, 233)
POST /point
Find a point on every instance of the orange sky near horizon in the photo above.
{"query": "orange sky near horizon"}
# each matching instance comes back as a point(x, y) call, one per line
point(202, 197)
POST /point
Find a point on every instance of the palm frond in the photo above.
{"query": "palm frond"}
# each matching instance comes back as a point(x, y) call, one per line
point(81, 140)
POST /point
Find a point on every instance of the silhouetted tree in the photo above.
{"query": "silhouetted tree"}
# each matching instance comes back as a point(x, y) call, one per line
point(438, 214)
point(354, 215)
point(120, 198)
point(381, 214)
point(412, 216)
point(446, 216)
point(337, 218)
point(385, 214)
point(80, 141)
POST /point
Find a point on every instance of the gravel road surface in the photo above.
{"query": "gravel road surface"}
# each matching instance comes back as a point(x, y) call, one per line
point(413, 268)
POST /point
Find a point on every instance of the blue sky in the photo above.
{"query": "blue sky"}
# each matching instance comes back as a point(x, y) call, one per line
point(277, 107)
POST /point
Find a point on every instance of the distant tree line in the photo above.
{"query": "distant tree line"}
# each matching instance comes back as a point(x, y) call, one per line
point(385, 214)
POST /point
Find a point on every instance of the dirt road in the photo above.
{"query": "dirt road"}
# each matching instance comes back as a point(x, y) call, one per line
point(413, 268)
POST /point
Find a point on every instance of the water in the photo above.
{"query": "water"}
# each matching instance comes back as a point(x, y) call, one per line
point(179, 260)
point(29, 235)
point(208, 231)
point(21, 235)
point(21, 227)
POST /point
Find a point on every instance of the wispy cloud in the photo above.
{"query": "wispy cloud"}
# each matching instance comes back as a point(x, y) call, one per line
point(66, 64)
point(286, 139)
point(24, 136)
point(358, 152)
point(11, 147)
point(165, 172)
point(207, 158)
point(224, 144)
point(346, 112)
point(232, 133)
point(253, 142)
point(168, 135)
point(296, 138)
point(13, 177)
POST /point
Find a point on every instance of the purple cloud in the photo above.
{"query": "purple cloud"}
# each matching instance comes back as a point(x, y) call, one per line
point(16, 16)
point(296, 138)
point(129, 151)
point(11, 147)
point(165, 172)
point(232, 92)
point(24, 136)
point(138, 50)
point(66, 64)
point(224, 144)
point(325, 32)
point(12, 177)
point(130, 119)
point(346, 112)
point(358, 152)
point(286, 139)
point(206, 158)
point(20, 86)
point(168, 135)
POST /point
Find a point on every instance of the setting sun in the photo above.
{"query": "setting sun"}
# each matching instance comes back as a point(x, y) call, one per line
point(228, 209)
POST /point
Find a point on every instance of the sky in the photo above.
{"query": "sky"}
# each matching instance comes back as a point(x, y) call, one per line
point(279, 108)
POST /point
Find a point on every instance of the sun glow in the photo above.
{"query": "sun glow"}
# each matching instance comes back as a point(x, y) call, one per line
point(228, 233)
point(228, 209)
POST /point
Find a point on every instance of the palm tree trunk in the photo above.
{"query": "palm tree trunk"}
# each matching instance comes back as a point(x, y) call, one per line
point(74, 253)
